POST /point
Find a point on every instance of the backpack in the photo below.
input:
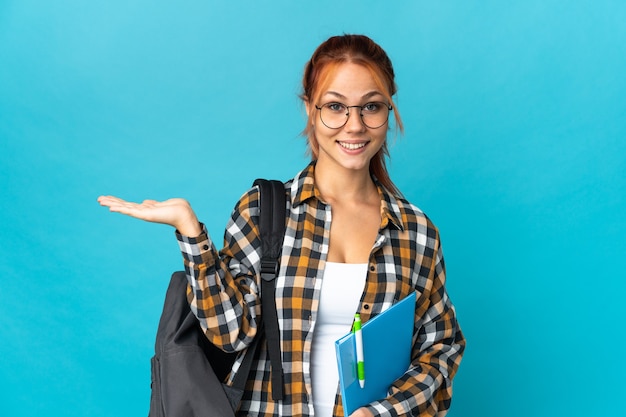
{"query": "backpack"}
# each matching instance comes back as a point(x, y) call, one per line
point(187, 370)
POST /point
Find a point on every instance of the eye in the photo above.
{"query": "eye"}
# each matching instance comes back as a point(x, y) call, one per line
point(336, 107)
point(373, 107)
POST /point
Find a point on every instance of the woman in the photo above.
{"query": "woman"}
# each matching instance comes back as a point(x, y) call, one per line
point(353, 244)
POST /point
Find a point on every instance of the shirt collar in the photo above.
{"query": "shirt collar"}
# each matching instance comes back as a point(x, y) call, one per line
point(303, 189)
point(389, 208)
point(303, 186)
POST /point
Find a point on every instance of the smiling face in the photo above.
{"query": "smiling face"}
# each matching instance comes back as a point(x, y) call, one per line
point(352, 146)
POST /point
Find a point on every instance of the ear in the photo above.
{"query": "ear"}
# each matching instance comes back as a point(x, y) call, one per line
point(307, 106)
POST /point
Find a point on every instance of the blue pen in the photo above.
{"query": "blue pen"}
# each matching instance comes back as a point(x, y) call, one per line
point(358, 336)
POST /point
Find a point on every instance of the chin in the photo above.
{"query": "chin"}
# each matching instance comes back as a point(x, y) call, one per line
point(356, 166)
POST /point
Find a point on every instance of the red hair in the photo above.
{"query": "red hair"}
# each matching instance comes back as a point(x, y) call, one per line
point(318, 72)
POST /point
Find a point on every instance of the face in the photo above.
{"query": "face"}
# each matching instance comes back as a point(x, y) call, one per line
point(352, 146)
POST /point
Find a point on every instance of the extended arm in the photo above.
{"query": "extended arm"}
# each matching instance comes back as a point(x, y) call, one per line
point(222, 285)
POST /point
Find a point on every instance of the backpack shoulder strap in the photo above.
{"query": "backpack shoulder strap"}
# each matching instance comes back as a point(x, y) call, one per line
point(273, 215)
point(271, 224)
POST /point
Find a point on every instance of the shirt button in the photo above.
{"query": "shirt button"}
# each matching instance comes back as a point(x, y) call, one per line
point(366, 306)
point(372, 267)
point(205, 247)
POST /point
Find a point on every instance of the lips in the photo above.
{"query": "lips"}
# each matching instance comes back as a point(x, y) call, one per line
point(352, 146)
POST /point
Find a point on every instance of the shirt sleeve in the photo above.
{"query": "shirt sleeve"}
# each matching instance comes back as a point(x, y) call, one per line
point(426, 388)
point(223, 289)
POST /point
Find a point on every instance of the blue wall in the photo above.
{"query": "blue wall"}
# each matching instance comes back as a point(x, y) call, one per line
point(515, 146)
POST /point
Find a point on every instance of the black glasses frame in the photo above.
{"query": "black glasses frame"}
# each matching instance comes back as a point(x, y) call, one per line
point(389, 107)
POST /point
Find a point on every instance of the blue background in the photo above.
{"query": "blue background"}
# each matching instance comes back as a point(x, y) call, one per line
point(514, 145)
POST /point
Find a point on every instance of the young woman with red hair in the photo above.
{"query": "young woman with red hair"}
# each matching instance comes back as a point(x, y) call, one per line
point(353, 245)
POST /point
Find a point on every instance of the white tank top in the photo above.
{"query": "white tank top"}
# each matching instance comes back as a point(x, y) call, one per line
point(342, 287)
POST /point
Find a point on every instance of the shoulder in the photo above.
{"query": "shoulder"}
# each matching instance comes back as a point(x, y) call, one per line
point(410, 218)
point(248, 204)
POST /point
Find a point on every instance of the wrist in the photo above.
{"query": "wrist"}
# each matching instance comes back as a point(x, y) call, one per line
point(189, 225)
point(191, 230)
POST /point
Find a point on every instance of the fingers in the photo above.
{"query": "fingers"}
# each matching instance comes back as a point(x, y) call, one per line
point(116, 204)
point(119, 205)
point(109, 200)
point(105, 200)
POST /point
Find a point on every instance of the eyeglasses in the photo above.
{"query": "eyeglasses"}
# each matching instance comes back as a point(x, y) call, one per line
point(335, 115)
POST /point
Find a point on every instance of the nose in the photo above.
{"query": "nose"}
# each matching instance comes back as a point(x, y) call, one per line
point(355, 122)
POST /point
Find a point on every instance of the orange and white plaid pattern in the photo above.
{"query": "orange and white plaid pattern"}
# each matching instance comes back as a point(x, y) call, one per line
point(224, 293)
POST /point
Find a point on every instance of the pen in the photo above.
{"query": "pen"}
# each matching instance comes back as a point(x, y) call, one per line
point(358, 336)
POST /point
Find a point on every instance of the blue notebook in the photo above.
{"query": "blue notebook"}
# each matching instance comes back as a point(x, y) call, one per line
point(387, 340)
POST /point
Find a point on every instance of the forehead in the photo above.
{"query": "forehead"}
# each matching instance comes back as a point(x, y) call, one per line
point(351, 80)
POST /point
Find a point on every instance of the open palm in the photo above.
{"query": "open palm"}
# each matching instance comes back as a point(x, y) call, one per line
point(176, 212)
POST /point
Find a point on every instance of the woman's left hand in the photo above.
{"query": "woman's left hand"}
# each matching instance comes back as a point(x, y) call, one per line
point(362, 412)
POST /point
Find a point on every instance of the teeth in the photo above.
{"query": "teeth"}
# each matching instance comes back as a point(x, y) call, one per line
point(352, 146)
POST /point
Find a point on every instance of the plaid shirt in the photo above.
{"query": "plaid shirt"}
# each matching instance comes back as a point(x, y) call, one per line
point(224, 294)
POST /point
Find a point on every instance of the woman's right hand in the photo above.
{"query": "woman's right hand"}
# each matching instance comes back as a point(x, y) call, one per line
point(176, 212)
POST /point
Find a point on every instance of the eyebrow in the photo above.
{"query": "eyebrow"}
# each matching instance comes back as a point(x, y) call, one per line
point(366, 96)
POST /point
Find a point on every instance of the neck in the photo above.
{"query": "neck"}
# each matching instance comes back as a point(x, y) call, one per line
point(344, 185)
